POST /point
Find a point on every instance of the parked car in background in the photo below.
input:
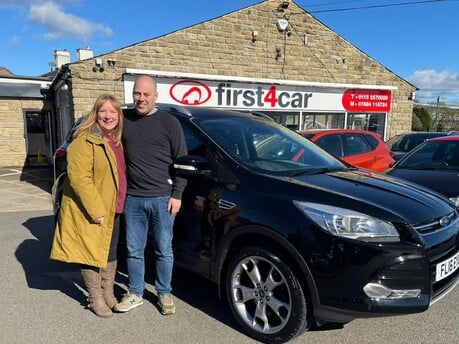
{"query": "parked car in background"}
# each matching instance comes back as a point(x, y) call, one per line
point(360, 148)
point(60, 165)
point(294, 237)
point(433, 164)
point(401, 144)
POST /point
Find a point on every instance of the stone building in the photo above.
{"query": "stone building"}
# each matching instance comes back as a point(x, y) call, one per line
point(272, 57)
point(25, 118)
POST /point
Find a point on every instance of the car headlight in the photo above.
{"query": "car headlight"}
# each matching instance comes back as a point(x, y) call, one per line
point(455, 200)
point(348, 223)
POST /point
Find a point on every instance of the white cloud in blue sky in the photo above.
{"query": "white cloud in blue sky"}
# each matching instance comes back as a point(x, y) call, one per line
point(432, 83)
point(42, 26)
point(56, 22)
point(60, 24)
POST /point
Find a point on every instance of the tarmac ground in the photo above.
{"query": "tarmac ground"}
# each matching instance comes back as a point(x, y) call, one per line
point(25, 189)
point(45, 300)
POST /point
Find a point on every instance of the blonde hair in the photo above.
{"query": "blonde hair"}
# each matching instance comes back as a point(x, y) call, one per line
point(89, 123)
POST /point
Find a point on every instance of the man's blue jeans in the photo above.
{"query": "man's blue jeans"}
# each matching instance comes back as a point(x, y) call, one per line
point(144, 214)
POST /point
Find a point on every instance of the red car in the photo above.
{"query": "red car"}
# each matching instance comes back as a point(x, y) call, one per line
point(360, 148)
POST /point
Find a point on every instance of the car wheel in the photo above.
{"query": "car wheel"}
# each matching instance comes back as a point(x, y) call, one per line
point(265, 295)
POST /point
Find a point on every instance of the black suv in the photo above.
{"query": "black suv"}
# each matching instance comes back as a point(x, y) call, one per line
point(294, 237)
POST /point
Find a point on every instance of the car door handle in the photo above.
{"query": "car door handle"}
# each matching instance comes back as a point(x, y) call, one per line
point(225, 204)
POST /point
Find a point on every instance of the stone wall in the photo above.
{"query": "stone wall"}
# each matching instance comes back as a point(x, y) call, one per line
point(12, 122)
point(224, 46)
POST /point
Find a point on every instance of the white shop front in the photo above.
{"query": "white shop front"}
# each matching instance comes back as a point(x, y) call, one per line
point(295, 104)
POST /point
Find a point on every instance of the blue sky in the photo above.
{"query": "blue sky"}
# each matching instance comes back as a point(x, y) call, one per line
point(416, 39)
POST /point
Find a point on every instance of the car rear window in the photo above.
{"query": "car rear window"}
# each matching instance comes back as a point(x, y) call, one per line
point(357, 144)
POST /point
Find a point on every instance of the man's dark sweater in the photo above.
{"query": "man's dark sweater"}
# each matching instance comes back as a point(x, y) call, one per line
point(151, 144)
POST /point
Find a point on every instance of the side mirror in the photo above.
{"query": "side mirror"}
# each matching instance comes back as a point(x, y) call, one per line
point(191, 165)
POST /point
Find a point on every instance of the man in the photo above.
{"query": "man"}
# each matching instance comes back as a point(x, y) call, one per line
point(152, 140)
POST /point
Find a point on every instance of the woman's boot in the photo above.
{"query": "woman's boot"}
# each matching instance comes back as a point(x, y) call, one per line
point(108, 280)
point(92, 279)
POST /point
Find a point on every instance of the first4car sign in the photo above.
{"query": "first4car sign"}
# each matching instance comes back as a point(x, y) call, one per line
point(230, 95)
point(260, 96)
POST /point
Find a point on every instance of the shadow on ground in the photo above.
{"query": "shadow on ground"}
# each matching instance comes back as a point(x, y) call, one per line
point(41, 177)
point(187, 286)
point(45, 274)
point(40, 271)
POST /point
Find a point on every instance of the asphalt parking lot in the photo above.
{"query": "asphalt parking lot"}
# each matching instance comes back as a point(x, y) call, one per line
point(43, 301)
point(25, 189)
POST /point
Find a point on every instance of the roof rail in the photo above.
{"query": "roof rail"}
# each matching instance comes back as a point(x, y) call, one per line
point(166, 107)
point(174, 108)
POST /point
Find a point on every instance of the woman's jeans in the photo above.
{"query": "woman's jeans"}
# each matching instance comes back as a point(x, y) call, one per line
point(144, 214)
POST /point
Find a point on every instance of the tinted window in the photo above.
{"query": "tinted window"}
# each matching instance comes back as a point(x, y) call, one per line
point(192, 142)
point(394, 143)
point(264, 146)
point(405, 143)
point(438, 155)
point(332, 144)
point(372, 141)
point(357, 144)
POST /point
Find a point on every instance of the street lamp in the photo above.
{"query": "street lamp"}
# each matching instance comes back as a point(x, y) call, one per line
point(436, 114)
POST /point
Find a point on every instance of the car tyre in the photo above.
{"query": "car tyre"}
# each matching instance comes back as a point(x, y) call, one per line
point(265, 295)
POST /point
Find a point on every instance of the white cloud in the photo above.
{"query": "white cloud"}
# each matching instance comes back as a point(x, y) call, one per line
point(433, 84)
point(61, 24)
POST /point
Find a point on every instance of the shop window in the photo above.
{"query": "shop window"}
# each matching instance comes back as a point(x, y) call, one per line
point(375, 122)
point(322, 121)
point(287, 119)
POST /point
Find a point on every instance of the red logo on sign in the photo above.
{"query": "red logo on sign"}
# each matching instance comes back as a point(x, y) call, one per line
point(190, 92)
point(367, 100)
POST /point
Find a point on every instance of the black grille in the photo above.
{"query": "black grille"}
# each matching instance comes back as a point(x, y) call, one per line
point(436, 224)
point(442, 243)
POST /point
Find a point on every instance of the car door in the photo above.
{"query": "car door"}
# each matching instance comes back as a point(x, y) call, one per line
point(359, 150)
point(206, 210)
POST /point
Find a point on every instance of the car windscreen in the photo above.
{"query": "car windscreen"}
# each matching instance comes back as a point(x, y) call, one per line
point(439, 155)
point(266, 146)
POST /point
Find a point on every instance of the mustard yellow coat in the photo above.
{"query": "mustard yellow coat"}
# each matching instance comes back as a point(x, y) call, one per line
point(90, 192)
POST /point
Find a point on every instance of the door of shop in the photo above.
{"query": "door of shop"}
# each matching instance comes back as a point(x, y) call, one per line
point(38, 137)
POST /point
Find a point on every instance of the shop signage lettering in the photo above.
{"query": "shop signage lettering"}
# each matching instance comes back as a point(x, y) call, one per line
point(260, 97)
point(358, 100)
point(267, 96)
point(192, 92)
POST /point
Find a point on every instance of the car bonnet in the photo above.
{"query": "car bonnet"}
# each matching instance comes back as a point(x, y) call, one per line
point(374, 194)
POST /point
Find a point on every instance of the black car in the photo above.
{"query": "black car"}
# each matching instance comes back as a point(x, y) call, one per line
point(401, 144)
point(60, 165)
point(293, 237)
point(433, 164)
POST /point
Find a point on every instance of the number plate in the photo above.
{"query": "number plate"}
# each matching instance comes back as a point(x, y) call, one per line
point(447, 267)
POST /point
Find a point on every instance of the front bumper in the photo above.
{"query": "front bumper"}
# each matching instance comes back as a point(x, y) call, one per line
point(349, 266)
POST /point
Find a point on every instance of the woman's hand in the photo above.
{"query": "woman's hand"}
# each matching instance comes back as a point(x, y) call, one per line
point(100, 221)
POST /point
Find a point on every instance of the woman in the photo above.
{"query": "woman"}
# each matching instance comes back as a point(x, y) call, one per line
point(87, 227)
